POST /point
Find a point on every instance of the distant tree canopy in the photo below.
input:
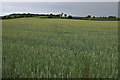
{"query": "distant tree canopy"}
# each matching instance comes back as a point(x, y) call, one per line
point(89, 16)
point(58, 15)
point(61, 15)
point(50, 16)
point(65, 15)
point(111, 17)
point(69, 17)
point(93, 16)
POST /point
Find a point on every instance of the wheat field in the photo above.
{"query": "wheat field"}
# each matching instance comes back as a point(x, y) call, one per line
point(59, 48)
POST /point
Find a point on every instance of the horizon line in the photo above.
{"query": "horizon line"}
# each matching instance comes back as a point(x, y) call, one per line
point(52, 13)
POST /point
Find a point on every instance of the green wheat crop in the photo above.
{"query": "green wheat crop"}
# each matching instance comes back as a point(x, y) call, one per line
point(59, 48)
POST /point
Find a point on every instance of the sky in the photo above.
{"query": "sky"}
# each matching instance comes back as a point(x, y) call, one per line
point(70, 8)
point(59, 0)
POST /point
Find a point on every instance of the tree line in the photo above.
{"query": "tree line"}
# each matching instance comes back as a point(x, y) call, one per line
point(89, 17)
point(61, 15)
point(24, 15)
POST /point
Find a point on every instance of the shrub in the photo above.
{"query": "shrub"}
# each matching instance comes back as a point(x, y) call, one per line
point(69, 17)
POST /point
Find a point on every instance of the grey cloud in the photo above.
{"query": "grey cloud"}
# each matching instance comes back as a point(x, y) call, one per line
point(73, 8)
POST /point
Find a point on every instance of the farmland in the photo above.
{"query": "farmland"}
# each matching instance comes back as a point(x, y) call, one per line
point(59, 48)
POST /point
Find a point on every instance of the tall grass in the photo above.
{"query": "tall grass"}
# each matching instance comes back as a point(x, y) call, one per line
point(59, 48)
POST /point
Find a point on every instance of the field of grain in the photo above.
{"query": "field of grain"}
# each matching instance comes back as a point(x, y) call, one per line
point(59, 48)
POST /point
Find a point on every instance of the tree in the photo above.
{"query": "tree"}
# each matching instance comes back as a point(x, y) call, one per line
point(93, 16)
point(111, 16)
point(58, 15)
point(61, 14)
point(65, 15)
point(89, 16)
point(69, 17)
point(50, 16)
point(4, 17)
point(8, 17)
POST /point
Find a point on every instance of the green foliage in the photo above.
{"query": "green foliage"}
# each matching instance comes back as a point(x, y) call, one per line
point(59, 48)
point(65, 15)
point(69, 17)
point(89, 17)
point(98, 18)
point(111, 17)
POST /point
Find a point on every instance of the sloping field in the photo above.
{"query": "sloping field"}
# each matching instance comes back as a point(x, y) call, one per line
point(59, 48)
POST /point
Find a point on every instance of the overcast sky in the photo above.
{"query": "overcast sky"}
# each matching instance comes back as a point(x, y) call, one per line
point(71, 8)
point(59, 0)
